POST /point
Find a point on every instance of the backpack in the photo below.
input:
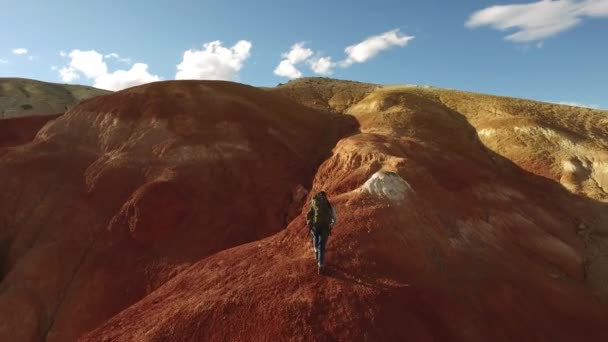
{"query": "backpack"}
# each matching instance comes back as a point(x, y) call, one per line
point(321, 212)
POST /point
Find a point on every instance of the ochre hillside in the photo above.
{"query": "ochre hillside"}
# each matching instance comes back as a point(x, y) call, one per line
point(175, 211)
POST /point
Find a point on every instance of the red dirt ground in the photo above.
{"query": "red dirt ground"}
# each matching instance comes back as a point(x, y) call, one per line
point(164, 213)
point(470, 255)
point(18, 131)
point(124, 191)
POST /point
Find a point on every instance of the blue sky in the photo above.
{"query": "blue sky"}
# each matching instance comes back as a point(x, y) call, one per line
point(545, 50)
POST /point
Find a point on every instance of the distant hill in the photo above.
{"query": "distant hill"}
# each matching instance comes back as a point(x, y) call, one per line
point(21, 97)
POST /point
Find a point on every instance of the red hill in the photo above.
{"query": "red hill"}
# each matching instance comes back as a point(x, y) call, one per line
point(173, 211)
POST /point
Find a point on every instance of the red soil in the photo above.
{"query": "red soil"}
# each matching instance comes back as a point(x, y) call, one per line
point(124, 191)
point(165, 223)
point(447, 264)
point(18, 131)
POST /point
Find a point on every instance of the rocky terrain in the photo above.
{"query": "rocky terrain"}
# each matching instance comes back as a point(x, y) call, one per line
point(173, 211)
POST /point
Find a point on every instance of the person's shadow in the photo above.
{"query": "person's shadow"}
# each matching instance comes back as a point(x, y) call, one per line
point(339, 273)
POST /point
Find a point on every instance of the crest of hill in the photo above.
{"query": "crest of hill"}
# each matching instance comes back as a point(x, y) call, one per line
point(564, 143)
point(325, 94)
point(124, 191)
point(445, 233)
point(24, 97)
point(178, 214)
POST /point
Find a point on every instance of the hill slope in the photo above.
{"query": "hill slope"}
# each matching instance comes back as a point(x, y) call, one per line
point(177, 215)
point(124, 191)
point(23, 97)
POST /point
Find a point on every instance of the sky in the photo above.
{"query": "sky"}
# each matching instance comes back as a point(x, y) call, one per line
point(554, 51)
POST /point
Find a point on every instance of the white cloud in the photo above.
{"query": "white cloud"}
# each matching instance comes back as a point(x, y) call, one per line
point(91, 64)
point(68, 74)
point(63, 53)
point(214, 61)
point(286, 69)
point(357, 53)
point(578, 104)
point(3, 61)
point(372, 46)
point(595, 8)
point(31, 58)
point(321, 65)
point(296, 55)
point(117, 57)
point(20, 51)
point(121, 79)
point(538, 20)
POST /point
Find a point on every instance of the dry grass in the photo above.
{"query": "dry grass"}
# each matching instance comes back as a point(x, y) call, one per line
point(22, 97)
point(539, 137)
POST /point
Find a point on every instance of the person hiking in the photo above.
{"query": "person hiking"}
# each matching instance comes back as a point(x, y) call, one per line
point(320, 219)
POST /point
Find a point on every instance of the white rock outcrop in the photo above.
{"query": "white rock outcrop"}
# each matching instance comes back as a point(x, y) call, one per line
point(388, 185)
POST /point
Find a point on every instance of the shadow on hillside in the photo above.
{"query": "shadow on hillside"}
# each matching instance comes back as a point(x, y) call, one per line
point(19, 131)
point(589, 217)
point(339, 273)
point(116, 252)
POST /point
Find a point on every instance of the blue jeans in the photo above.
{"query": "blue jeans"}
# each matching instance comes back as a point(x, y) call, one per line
point(319, 240)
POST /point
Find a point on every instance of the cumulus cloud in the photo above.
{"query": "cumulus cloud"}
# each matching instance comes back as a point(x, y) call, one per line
point(357, 53)
point(117, 57)
point(214, 61)
point(121, 79)
point(372, 46)
point(296, 55)
point(321, 65)
point(538, 20)
point(286, 69)
point(20, 51)
point(91, 65)
point(68, 74)
point(578, 104)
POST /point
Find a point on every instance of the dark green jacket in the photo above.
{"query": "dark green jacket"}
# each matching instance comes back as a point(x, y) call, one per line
point(311, 214)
